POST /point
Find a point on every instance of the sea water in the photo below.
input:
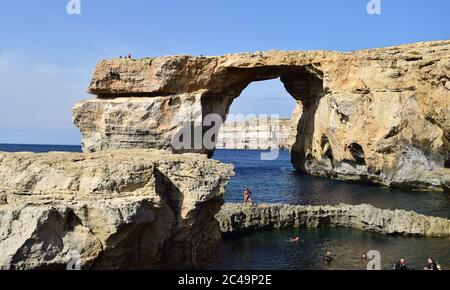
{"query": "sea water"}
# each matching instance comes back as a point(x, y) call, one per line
point(276, 181)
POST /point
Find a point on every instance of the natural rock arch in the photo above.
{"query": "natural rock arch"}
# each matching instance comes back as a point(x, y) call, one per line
point(303, 83)
point(378, 115)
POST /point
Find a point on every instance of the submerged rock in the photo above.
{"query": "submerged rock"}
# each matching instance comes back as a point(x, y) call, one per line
point(240, 218)
point(111, 210)
point(378, 115)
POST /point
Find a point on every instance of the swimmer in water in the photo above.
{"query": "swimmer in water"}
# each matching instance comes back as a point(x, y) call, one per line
point(328, 257)
point(294, 240)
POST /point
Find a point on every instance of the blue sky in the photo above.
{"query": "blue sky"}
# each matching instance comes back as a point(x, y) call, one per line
point(47, 56)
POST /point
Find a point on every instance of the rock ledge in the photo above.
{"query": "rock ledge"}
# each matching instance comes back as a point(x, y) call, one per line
point(119, 209)
point(235, 218)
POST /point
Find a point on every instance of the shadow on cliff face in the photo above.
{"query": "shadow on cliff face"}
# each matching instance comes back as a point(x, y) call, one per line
point(170, 237)
point(196, 233)
point(307, 88)
point(63, 223)
point(137, 244)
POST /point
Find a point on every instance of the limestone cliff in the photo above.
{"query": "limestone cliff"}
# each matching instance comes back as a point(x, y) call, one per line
point(256, 133)
point(236, 218)
point(378, 115)
point(118, 209)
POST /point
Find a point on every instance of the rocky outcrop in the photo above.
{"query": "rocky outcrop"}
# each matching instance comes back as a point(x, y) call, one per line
point(234, 218)
point(256, 134)
point(110, 210)
point(379, 115)
point(136, 122)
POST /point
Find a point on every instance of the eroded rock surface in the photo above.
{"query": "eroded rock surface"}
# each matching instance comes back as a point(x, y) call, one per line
point(129, 208)
point(378, 115)
point(234, 218)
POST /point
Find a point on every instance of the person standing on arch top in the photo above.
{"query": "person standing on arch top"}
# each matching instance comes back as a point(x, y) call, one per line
point(248, 197)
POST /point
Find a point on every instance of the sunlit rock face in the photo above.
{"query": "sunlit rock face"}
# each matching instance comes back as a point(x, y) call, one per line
point(121, 209)
point(257, 134)
point(379, 115)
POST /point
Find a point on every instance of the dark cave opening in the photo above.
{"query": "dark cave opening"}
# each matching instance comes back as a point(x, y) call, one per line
point(357, 153)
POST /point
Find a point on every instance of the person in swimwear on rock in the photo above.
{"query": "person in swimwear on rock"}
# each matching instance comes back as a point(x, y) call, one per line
point(248, 197)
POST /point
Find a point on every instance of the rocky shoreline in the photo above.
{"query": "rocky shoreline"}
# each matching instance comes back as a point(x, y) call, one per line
point(238, 218)
point(134, 200)
point(115, 210)
point(134, 209)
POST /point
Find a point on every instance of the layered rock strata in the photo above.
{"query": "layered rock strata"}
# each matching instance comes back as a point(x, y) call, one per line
point(109, 210)
point(378, 115)
point(235, 218)
point(257, 134)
